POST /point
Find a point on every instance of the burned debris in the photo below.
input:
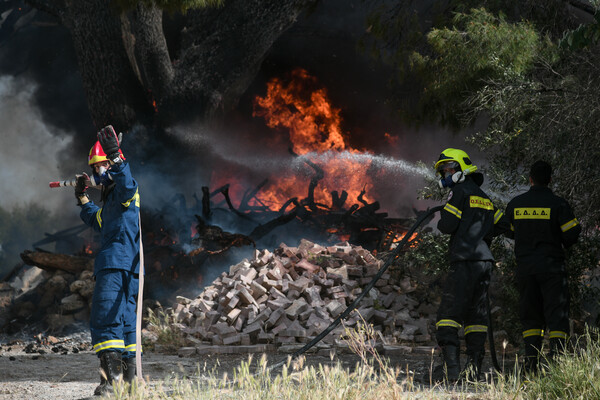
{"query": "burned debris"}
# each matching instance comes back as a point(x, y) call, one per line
point(279, 297)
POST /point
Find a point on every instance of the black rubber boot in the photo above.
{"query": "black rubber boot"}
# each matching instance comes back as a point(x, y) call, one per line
point(475, 352)
point(533, 346)
point(449, 370)
point(557, 346)
point(111, 371)
point(129, 369)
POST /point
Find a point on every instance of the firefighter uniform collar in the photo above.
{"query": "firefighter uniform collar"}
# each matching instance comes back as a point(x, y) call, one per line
point(540, 188)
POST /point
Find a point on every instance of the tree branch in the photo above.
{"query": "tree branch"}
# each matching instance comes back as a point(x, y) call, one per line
point(48, 7)
point(582, 5)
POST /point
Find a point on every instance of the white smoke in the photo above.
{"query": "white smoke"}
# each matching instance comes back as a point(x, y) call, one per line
point(28, 149)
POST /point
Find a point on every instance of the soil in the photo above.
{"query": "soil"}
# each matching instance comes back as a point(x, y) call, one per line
point(65, 368)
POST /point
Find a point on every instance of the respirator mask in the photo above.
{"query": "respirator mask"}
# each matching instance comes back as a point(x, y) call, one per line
point(449, 179)
point(101, 177)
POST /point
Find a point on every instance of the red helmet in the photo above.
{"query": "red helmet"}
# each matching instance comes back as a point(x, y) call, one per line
point(97, 154)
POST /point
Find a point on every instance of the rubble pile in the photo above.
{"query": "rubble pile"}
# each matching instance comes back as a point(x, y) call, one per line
point(290, 295)
point(57, 299)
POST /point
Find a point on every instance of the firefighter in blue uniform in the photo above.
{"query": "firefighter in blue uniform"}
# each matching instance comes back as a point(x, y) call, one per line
point(542, 225)
point(471, 220)
point(116, 268)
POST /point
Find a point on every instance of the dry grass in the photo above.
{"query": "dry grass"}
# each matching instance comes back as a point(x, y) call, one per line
point(574, 376)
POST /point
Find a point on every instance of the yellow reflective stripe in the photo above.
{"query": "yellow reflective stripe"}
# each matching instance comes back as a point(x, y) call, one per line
point(512, 227)
point(532, 213)
point(447, 322)
point(533, 332)
point(109, 344)
point(497, 216)
point(132, 347)
point(480, 202)
point(453, 210)
point(475, 328)
point(569, 225)
point(558, 334)
point(99, 217)
point(135, 197)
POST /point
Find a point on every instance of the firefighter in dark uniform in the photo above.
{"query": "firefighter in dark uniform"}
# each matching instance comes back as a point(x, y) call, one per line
point(470, 218)
point(116, 267)
point(542, 225)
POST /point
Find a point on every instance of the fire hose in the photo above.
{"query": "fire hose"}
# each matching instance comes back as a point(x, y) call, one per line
point(370, 285)
point(73, 182)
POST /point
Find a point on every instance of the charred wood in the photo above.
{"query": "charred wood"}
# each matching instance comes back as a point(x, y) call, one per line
point(52, 261)
point(206, 203)
point(263, 229)
point(337, 201)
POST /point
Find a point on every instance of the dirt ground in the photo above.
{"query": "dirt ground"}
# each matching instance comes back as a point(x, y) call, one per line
point(67, 369)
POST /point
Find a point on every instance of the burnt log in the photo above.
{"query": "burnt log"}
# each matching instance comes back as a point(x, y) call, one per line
point(337, 200)
point(214, 240)
point(251, 194)
point(206, 203)
point(53, 261)
point(263, 229)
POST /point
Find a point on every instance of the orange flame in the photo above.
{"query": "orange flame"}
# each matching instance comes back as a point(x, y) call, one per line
point(314, 125)
point(302, 108)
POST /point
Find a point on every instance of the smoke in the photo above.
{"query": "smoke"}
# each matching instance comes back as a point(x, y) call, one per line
point(30, 150)
point(42, 95)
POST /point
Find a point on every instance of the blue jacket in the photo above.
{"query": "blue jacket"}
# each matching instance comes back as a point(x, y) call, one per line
point(118, 222)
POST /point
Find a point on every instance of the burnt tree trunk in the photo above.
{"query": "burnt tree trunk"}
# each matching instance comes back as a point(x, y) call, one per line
point(150, 58)
point(128, 74)
point(113, 91)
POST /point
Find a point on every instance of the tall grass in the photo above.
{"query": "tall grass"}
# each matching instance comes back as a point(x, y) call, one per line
point(572, 376)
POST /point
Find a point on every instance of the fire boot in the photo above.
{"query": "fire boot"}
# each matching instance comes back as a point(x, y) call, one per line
point(449, 370)
point(533, 345)
point(557, 346)
point(475, 352)
point(111, 371)
point(129, 369)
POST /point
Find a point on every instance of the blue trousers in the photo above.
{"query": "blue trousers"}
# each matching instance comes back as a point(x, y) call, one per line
point(113, 316)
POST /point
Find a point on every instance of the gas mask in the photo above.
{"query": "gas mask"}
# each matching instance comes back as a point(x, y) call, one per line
point(102, 177)
point(449, 180)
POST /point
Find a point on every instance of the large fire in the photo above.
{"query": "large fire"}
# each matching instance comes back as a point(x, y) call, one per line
point(301, 108)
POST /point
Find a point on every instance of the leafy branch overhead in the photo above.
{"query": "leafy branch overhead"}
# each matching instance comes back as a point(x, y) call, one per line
point(538, 100)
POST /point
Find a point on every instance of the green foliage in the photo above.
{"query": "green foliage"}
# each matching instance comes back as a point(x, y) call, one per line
point(396, 30)
point(479, 47)
point(172, 6)
point(585, 36)
point(582, 257)
point(428, 253)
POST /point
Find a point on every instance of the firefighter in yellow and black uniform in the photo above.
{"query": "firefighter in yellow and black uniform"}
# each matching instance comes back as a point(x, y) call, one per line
point(472, 220)
point(542, 225)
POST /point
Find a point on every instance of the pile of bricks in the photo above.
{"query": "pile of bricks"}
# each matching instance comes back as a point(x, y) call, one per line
point(290, 295)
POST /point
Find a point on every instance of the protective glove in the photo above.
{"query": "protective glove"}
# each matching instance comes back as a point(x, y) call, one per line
point(110, 143)
point(80, 188)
